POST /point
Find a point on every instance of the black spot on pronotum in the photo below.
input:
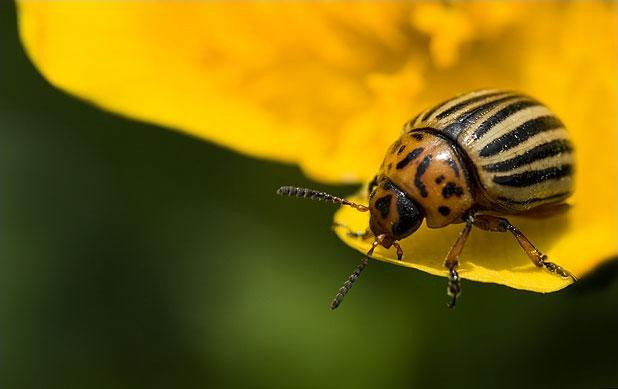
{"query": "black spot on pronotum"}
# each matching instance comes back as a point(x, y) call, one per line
point(451, 162)
point(401, 149)
point(383, 205)
point(444, 211)
point(409, 158)
point(422, 167)
point(451, 189)
point(439, 179)
point(417, 136)
point(389, 166)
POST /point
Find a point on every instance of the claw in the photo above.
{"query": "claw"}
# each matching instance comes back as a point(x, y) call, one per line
point(552, 267)
point(454, 288)
point(452, 303)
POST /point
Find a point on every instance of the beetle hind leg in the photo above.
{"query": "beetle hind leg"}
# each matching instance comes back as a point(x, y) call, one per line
point(554, 268)
point(500, 224)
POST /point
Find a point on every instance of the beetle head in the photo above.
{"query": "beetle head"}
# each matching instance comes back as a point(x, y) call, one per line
point(392, 212)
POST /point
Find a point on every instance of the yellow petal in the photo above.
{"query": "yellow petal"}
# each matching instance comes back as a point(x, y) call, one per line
point(328, 85)
point(448, 27)
point(578, 80)
point(496, 257)
point(278, 80)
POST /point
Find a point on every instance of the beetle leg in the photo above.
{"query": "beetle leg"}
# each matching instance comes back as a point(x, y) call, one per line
point(399, 251)
point(351, 233)
point(452, 260)
point(500, 224)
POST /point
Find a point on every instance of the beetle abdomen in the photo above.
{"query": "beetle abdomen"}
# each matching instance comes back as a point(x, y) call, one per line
point(518, 147)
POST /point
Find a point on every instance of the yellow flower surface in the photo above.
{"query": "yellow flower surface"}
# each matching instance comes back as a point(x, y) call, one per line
point(327, 85)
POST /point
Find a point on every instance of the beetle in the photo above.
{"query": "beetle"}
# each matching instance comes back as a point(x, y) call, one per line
point(472, 159)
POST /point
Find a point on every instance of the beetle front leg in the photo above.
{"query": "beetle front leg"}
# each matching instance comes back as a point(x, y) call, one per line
point(399, 251)
point(452, 261)
point(351, 233)
point(500, 224)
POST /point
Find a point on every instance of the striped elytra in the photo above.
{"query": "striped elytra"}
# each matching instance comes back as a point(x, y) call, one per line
point(518, 152)
point(472, 159)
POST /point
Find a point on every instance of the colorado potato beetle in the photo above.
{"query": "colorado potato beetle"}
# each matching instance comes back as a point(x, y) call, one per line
point(472, 159)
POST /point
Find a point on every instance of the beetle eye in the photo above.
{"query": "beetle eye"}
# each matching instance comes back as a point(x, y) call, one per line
point(410, 218)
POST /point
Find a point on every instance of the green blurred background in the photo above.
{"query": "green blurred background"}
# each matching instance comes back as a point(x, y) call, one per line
point(137, 257)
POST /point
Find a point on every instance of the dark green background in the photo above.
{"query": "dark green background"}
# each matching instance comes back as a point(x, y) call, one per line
point(137, 257)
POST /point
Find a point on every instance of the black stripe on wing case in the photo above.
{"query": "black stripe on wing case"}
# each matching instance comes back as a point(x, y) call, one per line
point(431, 111)
point(501, 115)
point(413, 121)
point(520, 134)
point(465, 103)
point(442, 104)
point(535, 199)
point(472, 115)
point(545, 150)
point(534, 177)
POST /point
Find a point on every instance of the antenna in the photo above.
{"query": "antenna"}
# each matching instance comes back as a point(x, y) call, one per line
point(345, 288)
point(312, 194)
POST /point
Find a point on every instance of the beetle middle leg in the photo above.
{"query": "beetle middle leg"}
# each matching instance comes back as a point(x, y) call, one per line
point(500, 224)
point(452, 261)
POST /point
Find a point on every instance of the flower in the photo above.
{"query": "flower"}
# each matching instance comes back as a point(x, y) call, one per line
point(327, 85)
